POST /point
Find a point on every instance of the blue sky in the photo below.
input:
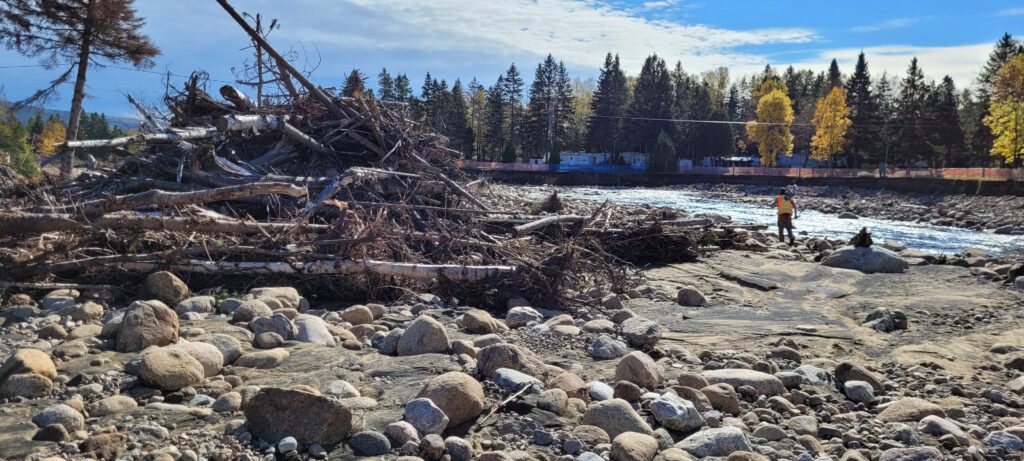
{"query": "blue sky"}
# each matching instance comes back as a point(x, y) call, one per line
point(466, 38)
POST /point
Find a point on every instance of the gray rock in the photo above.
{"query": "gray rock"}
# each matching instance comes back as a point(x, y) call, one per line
point(287, 444)
point(401, 432)
point(426, 417)
point(605, 347)
point(1004, 439)
point(690, 297)
point(513, 380)
point(228, 346)
point(867, 259)
point(615, 416)
point(764, 383)
point(147, 323)
point(611, 302)
point(228, 402)
point(268, 340)
point(197, 304)
point(675, 413)
point(859, 391)
point(425, 335)
point(369, 443)
point(389, 346)
point(61, 414)
point(342, 389)
point(812, 375)
point(312, 329)
point(934, 425)
point(276, 323)
point(715, 442)
point(911, 454)
point(641, 332)
point(522, 316)
point(56, 303)
point(459, 449)
point(275, 413)
point(600, 391)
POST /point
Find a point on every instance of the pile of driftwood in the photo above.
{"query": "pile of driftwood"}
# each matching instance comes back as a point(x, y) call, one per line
point(347, 193)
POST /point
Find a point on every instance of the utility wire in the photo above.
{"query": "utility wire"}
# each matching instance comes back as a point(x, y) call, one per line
point(145, 71)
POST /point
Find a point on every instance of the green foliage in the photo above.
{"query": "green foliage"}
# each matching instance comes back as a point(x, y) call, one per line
point(604, 130)
point(509, 154)
point(14, 142)
point(554, 157)
point(663, 157)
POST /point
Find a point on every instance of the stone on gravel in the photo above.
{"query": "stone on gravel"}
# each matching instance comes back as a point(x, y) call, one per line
point(206, 354)
point(600, 391)
point(166, 287)
point(480, 322)
point(870, 260)
point(197, 304)
point(934, 425)
point(277, 323)
point(715, 442)
point(513, 380)
point(61, 414)
point(1004, 439)
point(641, 332)
point(847, 371)
point(640, 369)
point(229, 347)
point(27, 385)
point(763, 383)
point(275, 413)
point(521, 316)
point(510, 356)
point(722, 397)
point(113, 405)
point(458, 448)
point(425, 335)
point(28, 361)
point(357, 315)
point(401, 432)
point(145, 324)
point(911, 454)
point(632, 446)
point(675, 413)
point(262, 359)
point(457, 394)
point(859, 391)
point(690, 297)
point(909, 409)
point(170, 369)
point(604, 347)
point(692, 379)
point(553, 400)
point(83, 312)
point(369, 443)
point(312, 329)
point(425, 416)
point(227, 402)
point(284, 297)
point(268, 340)
point(615, 416)
point(250, 309)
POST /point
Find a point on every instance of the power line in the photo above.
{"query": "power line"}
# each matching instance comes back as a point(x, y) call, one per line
point(728, 122)
point(145, 71)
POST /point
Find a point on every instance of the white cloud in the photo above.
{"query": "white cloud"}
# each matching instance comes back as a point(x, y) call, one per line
point(1012, 12)
point(579, 32)
point(890, 24)
point(961, 62)
point(647, 6)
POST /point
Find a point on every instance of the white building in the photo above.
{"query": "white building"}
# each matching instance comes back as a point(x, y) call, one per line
point(636, 160)
point(584, 158)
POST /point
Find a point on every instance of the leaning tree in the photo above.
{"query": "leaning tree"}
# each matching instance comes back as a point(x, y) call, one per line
point(73, 35)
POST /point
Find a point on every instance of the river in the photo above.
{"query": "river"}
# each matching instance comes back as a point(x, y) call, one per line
point(920, 236)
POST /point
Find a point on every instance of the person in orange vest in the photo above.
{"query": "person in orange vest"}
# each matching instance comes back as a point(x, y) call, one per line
point(786, 210)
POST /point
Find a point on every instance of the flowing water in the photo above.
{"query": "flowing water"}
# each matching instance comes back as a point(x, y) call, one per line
point(920, 236)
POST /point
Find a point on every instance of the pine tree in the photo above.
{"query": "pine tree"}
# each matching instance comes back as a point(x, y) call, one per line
point(652, 99)
point(477, 116)
point(604, 131)
point(496, 118)
point(513, 92)
point(35, 124)
point(663, 155)
point(863, 105)
point(911, 142)
point(834, 78)
point(884, 95)
point(14, 141)
point(548, 108)
point(582, 108)
point(403, 90)
point(943, 122)
point(771, 130)
point(460, 131)
point(832, 119)
point(79, 32)
point(385, 86)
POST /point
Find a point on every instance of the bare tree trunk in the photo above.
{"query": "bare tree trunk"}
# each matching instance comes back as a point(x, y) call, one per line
point(68, 160)
point(21, 223)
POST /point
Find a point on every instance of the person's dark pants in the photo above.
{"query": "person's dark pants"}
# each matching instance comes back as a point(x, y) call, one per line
point(786, 224)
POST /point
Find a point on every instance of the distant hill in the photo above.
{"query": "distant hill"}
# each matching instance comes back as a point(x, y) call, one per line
point(124, 123)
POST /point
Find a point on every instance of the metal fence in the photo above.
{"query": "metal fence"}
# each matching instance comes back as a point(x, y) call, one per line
point(995, 174)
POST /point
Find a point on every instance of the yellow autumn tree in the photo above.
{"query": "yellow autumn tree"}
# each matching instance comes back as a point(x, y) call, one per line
point(771, 130)
point(1006, 112)
point(53, 135)
point(832, 119)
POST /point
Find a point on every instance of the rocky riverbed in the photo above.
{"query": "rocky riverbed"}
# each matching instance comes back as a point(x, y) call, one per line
point(761, 352)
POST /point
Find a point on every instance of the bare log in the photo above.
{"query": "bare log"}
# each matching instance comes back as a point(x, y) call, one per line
point(55, 286)
point(542, 223)
point(246, 122)
point(303, 139)
point(453, 272)
point(169, 136)
point(239, 99)
point(160, 197)
point(16, 224)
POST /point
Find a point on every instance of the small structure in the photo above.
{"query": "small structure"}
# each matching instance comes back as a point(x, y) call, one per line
point(584, 158)
point(637, 160)
point(684, 164)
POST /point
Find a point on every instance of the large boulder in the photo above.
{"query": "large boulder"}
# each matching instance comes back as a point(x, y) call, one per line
point(145, 324)
point(764, 383)
point(511, 356)
point(457, 394)
point(641, 332)
point(61, 414)
point(425, 416)
point(166, 287)
point(640, 369)
point(30, 361)
point(480, 322)
point(229, 347)
point(675, 413)
point(869, 260)
point(208, 355)
point(715, 442)
point(615, 416)
point(277, 323)
point(170, 369)
point(632, 446)
point(197, 304)
point(27, 385)
point(521, 316)
point(848, 371)
point(912, 454)
point(280, 298)
point(274, 413)
point(425, 335)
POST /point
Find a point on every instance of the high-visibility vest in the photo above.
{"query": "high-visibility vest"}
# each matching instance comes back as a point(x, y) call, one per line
point(784, 205)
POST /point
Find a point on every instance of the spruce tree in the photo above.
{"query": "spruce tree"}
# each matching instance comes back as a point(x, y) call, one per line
point(604, 131)
point(943, 123)
point(834, 78)
point(460, 132)
point(652, 99)
point(403, 90)
point(887, 108)
point(663, 154)
point(496, 117)
point(549, 110)
point(513, 92)
point(911, 141)
point(385, 86)
point(1005, 49)
point(355, 84)
point(863, 135)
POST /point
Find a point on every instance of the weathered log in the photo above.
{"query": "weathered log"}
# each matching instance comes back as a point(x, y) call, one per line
point(55, 286)
point(453, 272)
point(246, 122)
point(168, 136)
point(239, 99)
point(542, 223)
point(303, 139)
point(16, 224)
point(164, 198)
